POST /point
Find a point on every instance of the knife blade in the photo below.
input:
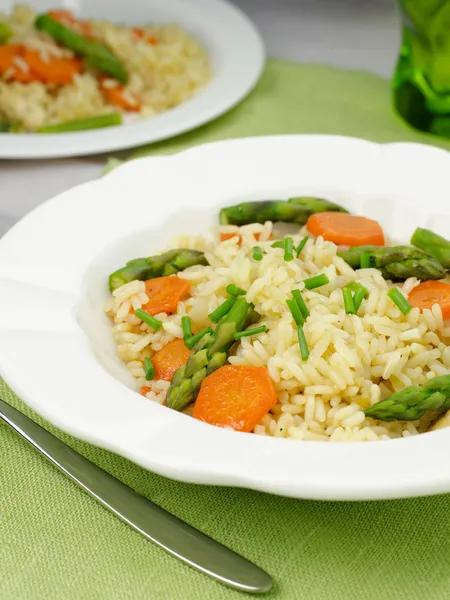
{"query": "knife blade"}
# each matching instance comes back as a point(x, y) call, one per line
point(153, 522)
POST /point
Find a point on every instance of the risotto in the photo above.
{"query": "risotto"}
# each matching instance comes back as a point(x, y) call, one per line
point(327, 333)
point(56, 69)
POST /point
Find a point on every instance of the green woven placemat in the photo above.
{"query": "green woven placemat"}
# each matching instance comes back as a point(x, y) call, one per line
point(57, 544)
point(293, 98)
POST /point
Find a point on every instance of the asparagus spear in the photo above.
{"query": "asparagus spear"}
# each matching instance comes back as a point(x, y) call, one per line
point(396, 262)
point(209, 354)
point(317, 204)
point(295, 210)
point(97, 122)
point(6, 127)
point(95, 53)
point(352, 256)
point(5, 33)
point(412, 403)
point(433, 243)
point(169, 263)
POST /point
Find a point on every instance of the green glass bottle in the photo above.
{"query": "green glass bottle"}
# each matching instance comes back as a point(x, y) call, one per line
point(422, 77)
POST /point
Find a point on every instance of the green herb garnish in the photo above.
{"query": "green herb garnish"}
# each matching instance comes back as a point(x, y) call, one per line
point(222, 310)
point(365, 260)
point(186, 326)
point(295, 311)
point(317, 281)
point(234, 290)
point(399, 300)
point(146, 318)
point(249, 332)
point(301, 245)
point(296, 294)
point(349, 304)
point(149, 369)
point(190, 343)
point(257, 253)
point(304, 350)
point(288, 249)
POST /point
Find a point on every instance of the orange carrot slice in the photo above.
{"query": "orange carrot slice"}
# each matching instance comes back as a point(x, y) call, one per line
point(343, 229)
point(119, 96)
point(144, 390)
point(7, 53)
point(57, 70)
point(173, 356)
point(164, 293)
point(227, 236)
point(142, 35)
point(235, 396)
point(17, 74)
point(428, 293)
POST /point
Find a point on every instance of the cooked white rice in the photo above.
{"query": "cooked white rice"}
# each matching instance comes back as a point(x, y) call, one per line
point(161, 76)
point(355, 361)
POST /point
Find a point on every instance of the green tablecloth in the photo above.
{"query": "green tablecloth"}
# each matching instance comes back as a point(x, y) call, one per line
point(57, 544)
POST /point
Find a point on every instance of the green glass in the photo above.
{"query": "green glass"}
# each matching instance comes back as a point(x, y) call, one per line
point(422, 77)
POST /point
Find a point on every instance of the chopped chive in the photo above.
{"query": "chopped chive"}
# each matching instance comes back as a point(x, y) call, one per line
point(304, 350)
point(296, 294)
point(288, 249)
point(249, 332)
point(349, 305)
point(151, 321)
point(234, 290)
point(186, 326)
point(222, 310)
point(296, 312)
point(190, 343)
point(359, 297)
point(278, 244)
point(364, 261)
point(301, 245)
point(399, 300)
point(354, 286)
point(257, 253)
point(317, 281)
point(149, 369)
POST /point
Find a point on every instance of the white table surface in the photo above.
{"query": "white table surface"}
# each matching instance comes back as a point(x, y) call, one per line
point(359, 34)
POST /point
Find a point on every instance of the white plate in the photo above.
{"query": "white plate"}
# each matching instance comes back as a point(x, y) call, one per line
point(56, 349)
point(231, 39)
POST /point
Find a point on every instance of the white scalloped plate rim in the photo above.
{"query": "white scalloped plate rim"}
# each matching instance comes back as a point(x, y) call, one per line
point(237, 54)
point(47, 357)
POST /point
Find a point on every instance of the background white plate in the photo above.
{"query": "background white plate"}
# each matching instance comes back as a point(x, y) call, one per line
point(56, 349)
point(237, 57)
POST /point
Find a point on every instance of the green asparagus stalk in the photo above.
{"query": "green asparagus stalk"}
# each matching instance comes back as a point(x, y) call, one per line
point(396, 263)
point(169, 263)
point(295, 210)
point(97, 122)
point(352, 256)
point(6, 127)
point(5, 33)
point(433, 243)
point(413, 402)
point(95, 53)
point(208, 355)
point(317, 205)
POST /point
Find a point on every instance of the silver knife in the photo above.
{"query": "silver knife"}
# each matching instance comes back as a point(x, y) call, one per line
point(156, 524)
